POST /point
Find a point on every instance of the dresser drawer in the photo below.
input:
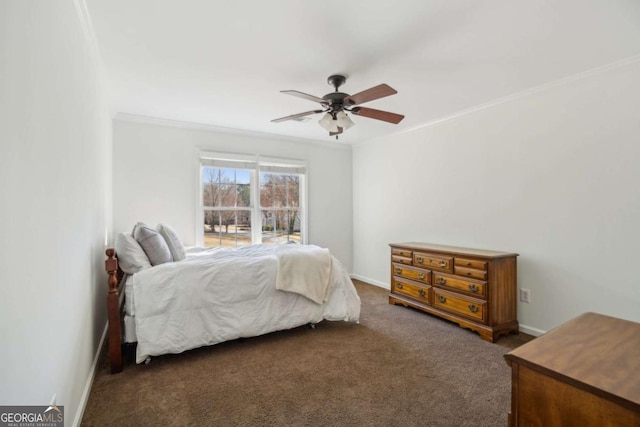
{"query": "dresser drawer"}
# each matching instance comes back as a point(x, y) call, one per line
point(412, 273)
point(401, 259)
point(470, 272)
point(476, 288)
point(402, 252)
point(459, 304)
point(433, 262)
point(414, 290)
point(476, 264)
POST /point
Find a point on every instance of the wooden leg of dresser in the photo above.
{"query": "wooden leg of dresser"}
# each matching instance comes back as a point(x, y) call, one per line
point(512, 328)
point(486, 335)
point(395, 301)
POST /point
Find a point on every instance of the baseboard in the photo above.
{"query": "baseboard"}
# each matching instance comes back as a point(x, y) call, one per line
point(530, 330)
point(87, 387)
point(371, 281)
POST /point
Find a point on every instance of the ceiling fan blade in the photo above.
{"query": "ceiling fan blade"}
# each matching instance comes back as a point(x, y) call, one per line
point(336, 133)
point(370, 94)
point(295, 116)
point(371, 113)
point(304, 96)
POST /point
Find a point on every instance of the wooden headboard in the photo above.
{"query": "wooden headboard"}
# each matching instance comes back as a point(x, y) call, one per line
point(113, 310)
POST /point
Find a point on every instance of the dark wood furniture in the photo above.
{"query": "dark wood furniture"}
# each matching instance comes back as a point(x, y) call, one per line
point(114, 311)
point(583, 373)
point(472, 287)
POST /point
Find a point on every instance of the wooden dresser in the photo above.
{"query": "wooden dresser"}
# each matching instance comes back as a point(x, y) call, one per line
point(585, 373)
point(474, 288)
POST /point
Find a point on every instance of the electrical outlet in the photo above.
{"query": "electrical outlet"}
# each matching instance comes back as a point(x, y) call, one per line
point(525, 295)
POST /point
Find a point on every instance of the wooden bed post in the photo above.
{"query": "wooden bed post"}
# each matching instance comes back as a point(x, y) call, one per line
point(113, 313)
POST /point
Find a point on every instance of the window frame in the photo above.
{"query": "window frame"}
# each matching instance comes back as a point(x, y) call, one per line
point(254, 164)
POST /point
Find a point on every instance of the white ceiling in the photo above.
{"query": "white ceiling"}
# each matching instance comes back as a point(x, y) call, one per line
point(223, 63)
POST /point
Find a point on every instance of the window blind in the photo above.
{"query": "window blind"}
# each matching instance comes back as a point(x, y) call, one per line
point(274, 165)
point(229, 163)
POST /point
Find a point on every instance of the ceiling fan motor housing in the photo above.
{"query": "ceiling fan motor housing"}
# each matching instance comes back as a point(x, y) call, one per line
point(335, 101)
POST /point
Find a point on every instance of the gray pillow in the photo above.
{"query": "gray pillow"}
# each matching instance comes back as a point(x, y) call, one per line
point(152, 244)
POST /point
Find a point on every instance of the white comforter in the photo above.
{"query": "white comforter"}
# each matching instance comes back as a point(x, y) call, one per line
point(222, 294)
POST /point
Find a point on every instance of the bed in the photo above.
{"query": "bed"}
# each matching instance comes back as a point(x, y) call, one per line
point(212, 295)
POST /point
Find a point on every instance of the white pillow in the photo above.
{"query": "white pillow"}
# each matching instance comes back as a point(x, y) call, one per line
point(152, 244)
point(131, 257)
point(173, 241)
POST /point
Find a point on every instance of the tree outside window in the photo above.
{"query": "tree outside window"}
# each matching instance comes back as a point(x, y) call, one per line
point(280, 207)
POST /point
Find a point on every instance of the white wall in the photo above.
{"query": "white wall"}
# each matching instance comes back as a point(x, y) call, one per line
point(553, 175)
point(55, 207)
point(156, 172)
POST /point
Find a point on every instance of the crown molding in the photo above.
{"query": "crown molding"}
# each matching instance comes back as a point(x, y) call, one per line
point(219, 129)
point(519, 95)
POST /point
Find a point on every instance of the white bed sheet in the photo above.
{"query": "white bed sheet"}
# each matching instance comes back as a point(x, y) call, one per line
point(220, 294)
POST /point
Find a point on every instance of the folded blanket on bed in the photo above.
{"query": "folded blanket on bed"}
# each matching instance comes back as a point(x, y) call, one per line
point(304, 270)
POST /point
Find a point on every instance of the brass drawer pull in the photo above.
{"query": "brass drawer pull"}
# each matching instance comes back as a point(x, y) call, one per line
point(420, 260)
point(399, 285)
point(468, 264)
point(473, 308)
point(421, 292)
point(443, 263)
point(421, 276)
point(441, 281)
point(442, 299)
point(473, 288)
point(398, 271)
point(469, 273)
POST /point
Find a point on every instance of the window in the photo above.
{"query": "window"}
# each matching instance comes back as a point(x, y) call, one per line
point(280, 207)
point(226, 198)
point(249, 200)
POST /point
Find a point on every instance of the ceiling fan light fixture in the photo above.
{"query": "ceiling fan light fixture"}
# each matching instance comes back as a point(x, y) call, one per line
point(343, 120)
point(328, 123)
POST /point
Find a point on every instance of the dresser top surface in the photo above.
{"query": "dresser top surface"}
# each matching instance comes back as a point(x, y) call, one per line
point(598, 351)
point(454, 250)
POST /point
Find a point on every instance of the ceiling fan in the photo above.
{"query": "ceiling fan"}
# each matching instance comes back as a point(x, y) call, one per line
point(336, 104)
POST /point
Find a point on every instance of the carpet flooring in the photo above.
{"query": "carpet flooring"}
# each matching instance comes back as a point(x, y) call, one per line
point(397, 367)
